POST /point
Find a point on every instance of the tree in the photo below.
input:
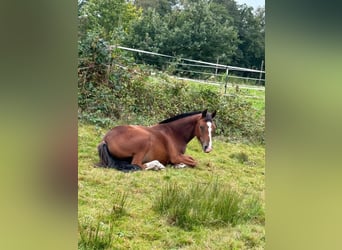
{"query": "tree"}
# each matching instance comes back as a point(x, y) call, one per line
point(193, 32)
point(251, 30)
point(106, 17)
point(162, 7)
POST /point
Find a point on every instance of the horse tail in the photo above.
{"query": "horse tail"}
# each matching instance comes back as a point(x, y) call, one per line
point(108, 161)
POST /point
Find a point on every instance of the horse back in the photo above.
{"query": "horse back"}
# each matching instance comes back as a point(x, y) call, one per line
point(126, 141)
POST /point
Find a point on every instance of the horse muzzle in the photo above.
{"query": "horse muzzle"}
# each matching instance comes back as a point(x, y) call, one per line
point(207, 149)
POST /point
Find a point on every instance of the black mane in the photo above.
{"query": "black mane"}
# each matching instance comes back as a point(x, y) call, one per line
point(177, 117)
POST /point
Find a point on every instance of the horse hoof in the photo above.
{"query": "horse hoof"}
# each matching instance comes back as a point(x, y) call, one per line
point(180, 165)
point(154, 165)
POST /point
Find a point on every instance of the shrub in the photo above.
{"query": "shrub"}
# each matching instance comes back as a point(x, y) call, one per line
point(121, 92)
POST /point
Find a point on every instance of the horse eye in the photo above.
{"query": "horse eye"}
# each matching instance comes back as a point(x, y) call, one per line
point(201, 127)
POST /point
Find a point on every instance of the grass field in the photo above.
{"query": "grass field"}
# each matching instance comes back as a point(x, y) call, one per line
point(117, 210)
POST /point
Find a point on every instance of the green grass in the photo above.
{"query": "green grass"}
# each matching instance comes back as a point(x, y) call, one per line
point(119, 210)
point(208, 204)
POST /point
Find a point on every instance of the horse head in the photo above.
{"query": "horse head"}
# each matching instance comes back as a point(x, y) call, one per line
point(204, 130)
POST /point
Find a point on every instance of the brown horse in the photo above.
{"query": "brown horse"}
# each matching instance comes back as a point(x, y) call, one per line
point(131, 147)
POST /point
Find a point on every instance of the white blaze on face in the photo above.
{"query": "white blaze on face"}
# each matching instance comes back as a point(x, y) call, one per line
point(209, 132)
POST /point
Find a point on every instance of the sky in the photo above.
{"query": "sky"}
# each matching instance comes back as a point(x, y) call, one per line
point(253, 3)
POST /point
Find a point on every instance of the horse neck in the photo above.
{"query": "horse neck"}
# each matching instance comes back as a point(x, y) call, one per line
point(184, 129)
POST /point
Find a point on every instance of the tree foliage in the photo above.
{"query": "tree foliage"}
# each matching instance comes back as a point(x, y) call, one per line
point(161, 6)
point(195, 32)
point(107, 17)
point(197, 29)
point(251, 29)
point(112, 87)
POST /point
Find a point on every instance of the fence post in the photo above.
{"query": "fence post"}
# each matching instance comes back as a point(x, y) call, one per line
point(217, 61)
point(262, 65)
point(226, 81)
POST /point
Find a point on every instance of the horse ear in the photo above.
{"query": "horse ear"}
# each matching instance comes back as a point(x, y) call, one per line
point(204, 113)
point(213, 114)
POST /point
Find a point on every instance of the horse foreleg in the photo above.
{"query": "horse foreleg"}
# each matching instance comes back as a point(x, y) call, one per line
point(184, 159)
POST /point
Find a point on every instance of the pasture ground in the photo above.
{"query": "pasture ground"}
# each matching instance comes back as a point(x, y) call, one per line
point(137, 226)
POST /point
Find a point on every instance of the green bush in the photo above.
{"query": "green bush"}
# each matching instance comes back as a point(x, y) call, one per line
point(121, 92)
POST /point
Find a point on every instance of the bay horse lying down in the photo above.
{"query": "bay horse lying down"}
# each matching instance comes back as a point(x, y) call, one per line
point(132, 147)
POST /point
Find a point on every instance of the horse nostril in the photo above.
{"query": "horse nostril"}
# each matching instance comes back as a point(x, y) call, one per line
point(207, 148)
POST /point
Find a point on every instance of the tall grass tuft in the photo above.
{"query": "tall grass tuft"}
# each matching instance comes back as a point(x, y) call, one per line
point(254, 210)
point(100, 236)
point(119, 203)
point(210, 204)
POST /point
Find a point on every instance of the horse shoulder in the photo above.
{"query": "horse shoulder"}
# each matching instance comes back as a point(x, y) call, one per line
point(160, 132)
point(169, 140)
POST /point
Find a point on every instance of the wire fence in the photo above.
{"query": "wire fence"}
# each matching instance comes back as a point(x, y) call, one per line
point(202, 72)
point(205, 72)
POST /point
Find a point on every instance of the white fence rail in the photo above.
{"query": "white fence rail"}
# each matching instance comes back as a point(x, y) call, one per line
point(215, 66)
